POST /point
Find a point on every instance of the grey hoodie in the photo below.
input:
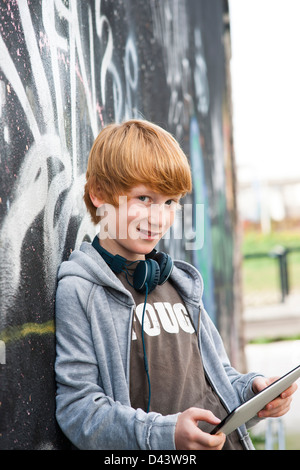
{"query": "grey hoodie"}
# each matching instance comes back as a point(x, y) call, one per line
point(93, 330)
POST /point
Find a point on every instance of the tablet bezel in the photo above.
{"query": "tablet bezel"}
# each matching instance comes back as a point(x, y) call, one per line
point(250, 408)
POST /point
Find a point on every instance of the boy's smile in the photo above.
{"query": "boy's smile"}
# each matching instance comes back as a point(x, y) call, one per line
point(134, 227)
point(148, 234)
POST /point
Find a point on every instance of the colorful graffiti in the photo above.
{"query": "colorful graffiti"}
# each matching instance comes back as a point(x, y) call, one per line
point(66, 69)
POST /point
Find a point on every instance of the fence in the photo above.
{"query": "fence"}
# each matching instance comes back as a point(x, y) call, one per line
point(281, 255)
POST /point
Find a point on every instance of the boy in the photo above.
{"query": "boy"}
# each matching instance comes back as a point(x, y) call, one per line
point(139, 363)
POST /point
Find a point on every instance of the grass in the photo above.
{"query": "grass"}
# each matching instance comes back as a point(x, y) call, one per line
point(262, 274)
point(256, 241)
point(292, 442)
point(263, 340)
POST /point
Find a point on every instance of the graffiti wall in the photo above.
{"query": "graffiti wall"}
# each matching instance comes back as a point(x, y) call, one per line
point(67, 68)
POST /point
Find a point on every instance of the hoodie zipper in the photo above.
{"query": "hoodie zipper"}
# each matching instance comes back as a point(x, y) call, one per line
point(129, 348)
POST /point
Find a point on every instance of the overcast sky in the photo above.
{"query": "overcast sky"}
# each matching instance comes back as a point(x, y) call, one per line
point(265, 69)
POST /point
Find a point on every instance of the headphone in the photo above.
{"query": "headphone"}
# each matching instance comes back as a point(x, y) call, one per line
point(155, 270)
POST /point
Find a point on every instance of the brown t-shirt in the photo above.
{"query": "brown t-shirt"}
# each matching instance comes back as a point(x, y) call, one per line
point(176, 371)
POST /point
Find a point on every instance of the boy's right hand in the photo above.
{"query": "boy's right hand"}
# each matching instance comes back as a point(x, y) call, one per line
point(189, 437)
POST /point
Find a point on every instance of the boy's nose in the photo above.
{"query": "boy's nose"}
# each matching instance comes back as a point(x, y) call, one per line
point(157, 216)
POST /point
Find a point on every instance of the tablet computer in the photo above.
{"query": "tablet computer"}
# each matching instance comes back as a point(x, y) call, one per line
point(250, 408)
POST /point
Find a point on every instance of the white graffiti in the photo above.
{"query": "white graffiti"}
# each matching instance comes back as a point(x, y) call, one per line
point(64, 88)
point(2, 353)
point(71, 87)
point(171, 30)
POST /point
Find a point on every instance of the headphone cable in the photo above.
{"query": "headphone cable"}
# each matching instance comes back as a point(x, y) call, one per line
point(144, 349)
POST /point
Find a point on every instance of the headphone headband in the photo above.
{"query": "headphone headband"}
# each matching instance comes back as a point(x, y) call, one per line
point(156, 269)
point(116, 262)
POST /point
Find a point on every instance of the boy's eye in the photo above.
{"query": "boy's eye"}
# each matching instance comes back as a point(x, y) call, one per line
point(144, 198)
point(172, 202)
point(148, 200)
point(169, 202)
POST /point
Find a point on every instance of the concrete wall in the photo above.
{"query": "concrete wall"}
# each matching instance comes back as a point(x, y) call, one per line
point(66, 69)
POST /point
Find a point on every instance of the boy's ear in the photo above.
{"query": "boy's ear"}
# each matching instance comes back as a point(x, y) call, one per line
point(97, 201)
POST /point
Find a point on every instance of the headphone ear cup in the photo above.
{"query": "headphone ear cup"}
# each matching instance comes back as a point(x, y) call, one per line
point(166, 264)
point(146, 272)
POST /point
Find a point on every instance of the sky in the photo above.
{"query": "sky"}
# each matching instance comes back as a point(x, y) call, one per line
point(265, 70)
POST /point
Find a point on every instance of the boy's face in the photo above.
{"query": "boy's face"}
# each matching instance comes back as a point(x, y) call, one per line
point(134, 228)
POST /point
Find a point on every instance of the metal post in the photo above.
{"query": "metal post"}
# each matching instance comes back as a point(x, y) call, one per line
point(271, 436)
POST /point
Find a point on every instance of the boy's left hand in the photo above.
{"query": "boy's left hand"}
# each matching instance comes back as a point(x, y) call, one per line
point(281, 404)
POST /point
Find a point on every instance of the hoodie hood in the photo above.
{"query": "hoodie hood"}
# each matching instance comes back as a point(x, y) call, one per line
point(88, 264)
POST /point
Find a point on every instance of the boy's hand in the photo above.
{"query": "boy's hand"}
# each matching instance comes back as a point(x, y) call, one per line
point(281, 404)
point(189, 437)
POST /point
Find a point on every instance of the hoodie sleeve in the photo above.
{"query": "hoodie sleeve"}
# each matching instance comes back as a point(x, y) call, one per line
point(87, 415)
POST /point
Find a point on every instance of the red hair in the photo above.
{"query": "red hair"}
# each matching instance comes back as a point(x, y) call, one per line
point(132, 153)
